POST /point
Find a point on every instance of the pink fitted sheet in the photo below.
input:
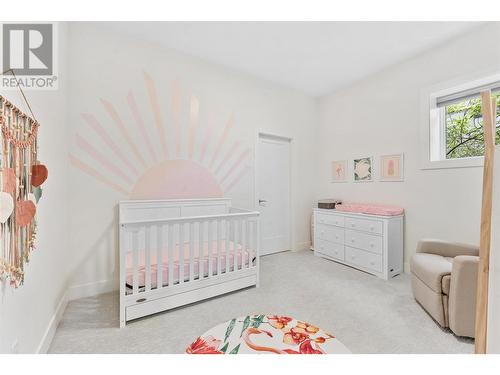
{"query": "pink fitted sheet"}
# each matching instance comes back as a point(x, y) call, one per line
point(242, 259)
point(371, 209)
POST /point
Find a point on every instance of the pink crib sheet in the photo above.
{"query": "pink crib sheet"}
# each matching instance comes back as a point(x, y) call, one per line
point(371, 209)
point(243, 257)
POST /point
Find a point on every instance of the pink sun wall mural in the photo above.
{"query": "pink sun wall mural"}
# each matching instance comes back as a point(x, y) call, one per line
point(186, 170)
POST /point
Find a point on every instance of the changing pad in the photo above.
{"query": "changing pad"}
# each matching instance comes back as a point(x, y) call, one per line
point(371, 209)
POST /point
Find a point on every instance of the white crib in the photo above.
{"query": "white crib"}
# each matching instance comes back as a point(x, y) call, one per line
point(176, 252)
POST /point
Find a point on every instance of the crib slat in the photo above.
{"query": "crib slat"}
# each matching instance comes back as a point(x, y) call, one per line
point(181, 253)
point(135, 263)
point(147, 255)
point(256, 244)
point(241, 262)
point(250, 243)
point(256, 238)
point(244, 243)
point(219, 236)
point(159, 256)
point(123, 249)
point(235, 245)
point(200, 250)
point(228, 251)
point(170, 255)
point(191, 251)
point(210, 249)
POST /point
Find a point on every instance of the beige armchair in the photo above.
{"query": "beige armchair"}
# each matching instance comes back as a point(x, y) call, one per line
point(444, 280)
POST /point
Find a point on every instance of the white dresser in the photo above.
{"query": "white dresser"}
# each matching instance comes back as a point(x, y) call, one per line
point(370, 243)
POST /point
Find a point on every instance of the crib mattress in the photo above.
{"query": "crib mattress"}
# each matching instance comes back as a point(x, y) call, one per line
point(181, 257)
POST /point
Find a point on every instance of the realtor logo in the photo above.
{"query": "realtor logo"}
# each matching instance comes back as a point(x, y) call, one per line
point(28, 49)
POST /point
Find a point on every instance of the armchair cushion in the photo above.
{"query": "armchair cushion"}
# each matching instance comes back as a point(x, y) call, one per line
point(430, 269)
point(446, 249)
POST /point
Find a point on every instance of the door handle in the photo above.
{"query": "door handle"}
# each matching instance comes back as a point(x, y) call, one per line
point(261, 201)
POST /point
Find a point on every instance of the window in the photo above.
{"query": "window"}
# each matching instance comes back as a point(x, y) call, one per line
point(463, 125)
point(456, 136)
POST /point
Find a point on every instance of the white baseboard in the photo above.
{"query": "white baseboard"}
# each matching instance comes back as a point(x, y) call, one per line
point(44, 345)
point(91, 289)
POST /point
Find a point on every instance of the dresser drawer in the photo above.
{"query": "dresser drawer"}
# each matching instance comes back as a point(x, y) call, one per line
point(329, 219)
point(363, 259)
point(330, 233)
point(333, 250)
point(365, 225)
point(364, 241)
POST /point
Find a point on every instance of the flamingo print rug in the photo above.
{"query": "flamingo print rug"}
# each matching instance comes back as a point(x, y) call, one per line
point(266, 334)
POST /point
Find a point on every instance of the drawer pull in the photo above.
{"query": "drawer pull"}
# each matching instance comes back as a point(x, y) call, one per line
point(141, 300)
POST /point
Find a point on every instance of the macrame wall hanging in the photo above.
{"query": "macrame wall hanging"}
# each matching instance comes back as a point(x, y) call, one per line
point(21, 176)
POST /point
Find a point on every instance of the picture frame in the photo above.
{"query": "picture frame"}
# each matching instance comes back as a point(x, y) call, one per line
point(363, 169)
point(392, 168)
point(339, 170)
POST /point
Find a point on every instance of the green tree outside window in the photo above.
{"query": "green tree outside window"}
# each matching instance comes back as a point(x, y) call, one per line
point(464, 128)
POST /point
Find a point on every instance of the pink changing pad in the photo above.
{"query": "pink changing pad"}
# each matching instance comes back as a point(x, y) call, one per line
point(370, 209)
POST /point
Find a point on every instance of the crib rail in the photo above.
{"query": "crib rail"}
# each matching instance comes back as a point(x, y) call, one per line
point(237, 213)
point(162, 253)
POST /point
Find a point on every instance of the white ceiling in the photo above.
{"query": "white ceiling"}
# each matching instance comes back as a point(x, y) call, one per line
point(313, 57)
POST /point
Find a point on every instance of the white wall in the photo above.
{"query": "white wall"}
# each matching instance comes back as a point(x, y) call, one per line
point(382, 115)
point(108, 66)
point(26, 312)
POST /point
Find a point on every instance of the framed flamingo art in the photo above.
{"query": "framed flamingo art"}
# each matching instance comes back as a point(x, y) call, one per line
point(339, 171)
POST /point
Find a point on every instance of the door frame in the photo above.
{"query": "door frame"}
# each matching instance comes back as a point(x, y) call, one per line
point(284, 138)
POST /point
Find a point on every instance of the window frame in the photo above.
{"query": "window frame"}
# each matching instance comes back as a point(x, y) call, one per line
point(433, 131)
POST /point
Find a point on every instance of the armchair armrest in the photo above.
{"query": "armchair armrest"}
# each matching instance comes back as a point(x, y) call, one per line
point(462, 298)
point(446, 249)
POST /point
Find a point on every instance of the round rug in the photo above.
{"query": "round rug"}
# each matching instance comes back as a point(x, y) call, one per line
point(255, 334)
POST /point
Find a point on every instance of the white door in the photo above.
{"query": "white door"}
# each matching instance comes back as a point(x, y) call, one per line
point(273, 193)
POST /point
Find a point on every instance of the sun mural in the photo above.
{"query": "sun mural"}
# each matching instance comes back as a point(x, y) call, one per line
point(184, 171)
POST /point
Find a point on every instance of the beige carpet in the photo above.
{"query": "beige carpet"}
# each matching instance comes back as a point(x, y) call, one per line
point(367, 314)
